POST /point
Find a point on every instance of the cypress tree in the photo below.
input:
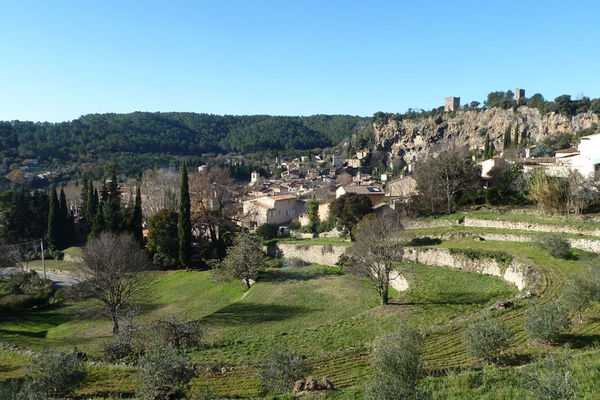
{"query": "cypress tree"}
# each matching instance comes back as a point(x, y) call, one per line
point(313, 214)
point(486, 151)
point(99, 225)
point(507, 138)
point(135, 225)
point(63, 219)
point(112, 203)
point(84, 208)
point(517, 135)
point(183, 224)
point(52, 235)
point(92, 204)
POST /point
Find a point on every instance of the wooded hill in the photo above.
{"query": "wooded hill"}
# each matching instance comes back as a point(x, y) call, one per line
point(95, 136)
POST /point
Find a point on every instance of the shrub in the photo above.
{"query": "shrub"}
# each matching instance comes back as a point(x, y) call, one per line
point(424, 241)
point(557, 246)
point(54, 375)
point(11, 390)
point(280, 370)
point(546, 322)
point(162, 368)
point(396, 368)
point(294, 225)
point(487, 338)
point(580, 291)
point(552, 379)
point(268, 231)
point(177, 333)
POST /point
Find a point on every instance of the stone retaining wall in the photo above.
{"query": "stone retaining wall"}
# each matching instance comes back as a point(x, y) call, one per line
point(516, 272)
point(312, 253)
point(527, 226)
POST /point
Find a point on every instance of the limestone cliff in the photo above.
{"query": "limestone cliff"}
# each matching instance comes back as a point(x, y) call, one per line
point(412, 139)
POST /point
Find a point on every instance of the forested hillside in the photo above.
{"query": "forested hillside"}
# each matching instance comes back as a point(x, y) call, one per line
point(93, 135)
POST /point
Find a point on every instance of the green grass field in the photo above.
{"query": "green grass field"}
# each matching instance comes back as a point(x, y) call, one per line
point(331, 318)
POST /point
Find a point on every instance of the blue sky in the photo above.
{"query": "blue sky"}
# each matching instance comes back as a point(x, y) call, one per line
point(62, 59)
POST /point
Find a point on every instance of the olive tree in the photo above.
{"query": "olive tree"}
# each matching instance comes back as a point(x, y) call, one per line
point(111, 272)
point(546, 322)
point(244, 260)
point(580, 291)
point(487, 338)
point(396, 368)
point(376, 248)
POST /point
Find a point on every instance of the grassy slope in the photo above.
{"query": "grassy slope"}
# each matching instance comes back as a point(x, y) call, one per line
point(316, 310)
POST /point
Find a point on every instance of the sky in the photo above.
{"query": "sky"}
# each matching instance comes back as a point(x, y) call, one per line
point(63, 59)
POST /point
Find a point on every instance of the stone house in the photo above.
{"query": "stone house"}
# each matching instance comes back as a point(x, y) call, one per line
point(279, 209)
point(375, 194)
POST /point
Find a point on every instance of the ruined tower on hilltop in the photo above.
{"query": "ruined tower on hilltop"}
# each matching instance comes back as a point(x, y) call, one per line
point(451, 103)
point(519, 94)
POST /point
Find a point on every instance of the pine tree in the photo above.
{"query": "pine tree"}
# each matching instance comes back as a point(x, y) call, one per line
point(135, 224)
point(52, 236)
point(184, 224)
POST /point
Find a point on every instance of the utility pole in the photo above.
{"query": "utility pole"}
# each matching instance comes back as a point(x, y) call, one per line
point(43, 261)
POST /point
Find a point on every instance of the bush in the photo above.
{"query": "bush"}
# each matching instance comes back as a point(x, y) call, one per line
point(552, 379)
point(11, 390)
point(117, 350)
point(294, 225)
point(424, 241)
point(487, 338)
point(326, 226)
point(54, 375)
point(557, 246)
point(396, 368)
point(280, 370)
point(546, 322)
point(268, 231)
point(177, 333)
point(162, 368)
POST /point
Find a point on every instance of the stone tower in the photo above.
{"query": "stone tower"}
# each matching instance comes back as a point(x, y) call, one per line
point(519, 94)
point(254, 176)
point(451, 103)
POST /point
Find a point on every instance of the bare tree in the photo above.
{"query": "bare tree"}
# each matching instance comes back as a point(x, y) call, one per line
point(376, 248)
point(216, 206)
point(451, 172)
point(158, 191)
point(111, 272)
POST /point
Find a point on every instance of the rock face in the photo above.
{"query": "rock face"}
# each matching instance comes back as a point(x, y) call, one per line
point(412, 139)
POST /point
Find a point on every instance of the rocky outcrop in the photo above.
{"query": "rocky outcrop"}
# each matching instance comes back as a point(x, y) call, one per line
point(411, 139)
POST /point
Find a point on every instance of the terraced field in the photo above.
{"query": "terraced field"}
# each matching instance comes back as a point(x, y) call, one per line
point(332, 319)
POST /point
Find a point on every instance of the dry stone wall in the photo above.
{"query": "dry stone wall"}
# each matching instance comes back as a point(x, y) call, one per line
point(527, 226)
point(516, 272)
point(312, 253)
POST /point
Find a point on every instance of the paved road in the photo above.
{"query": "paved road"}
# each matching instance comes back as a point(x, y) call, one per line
point(60, 280)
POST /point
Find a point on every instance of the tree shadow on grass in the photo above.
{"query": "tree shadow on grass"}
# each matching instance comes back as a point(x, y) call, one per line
point(580, 341)
point(252, 313)
point(444, 298)
point(295, 275)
